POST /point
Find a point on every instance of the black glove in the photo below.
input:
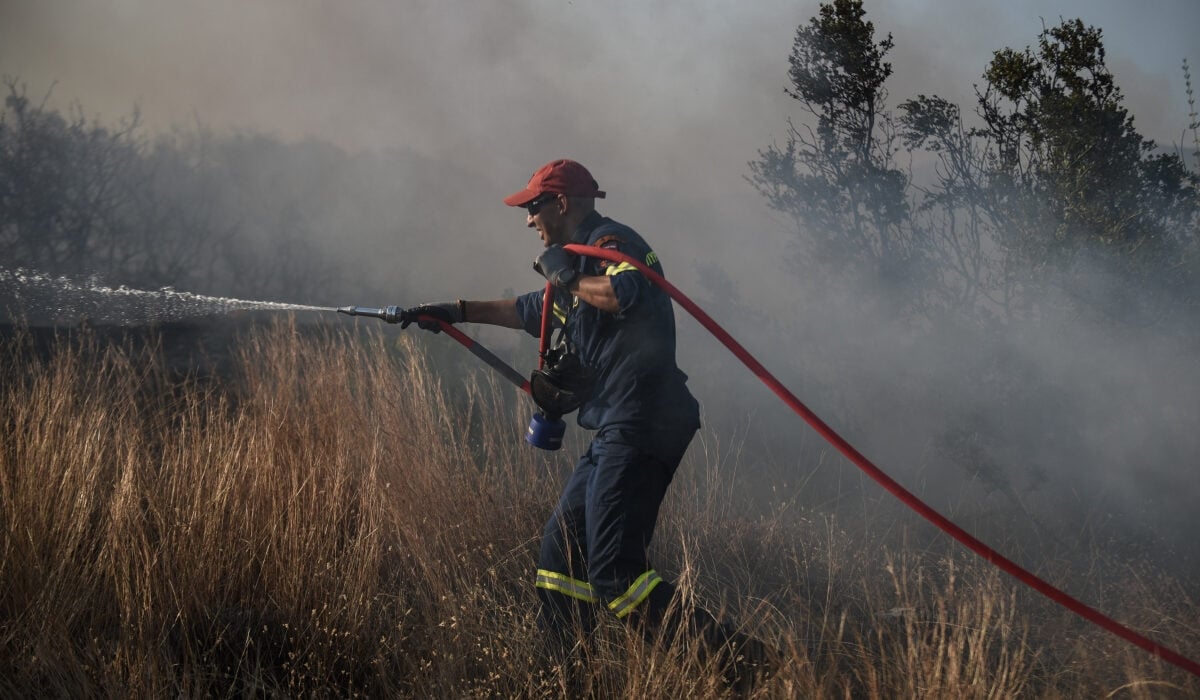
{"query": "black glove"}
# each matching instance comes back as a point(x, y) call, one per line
point(447, 311)
point(557, 266)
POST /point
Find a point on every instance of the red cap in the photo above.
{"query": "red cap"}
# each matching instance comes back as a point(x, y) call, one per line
point(557, 177)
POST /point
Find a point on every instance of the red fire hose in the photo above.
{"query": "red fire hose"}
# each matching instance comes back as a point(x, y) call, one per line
point(484, 354)
point(1024, 576)
point(924, 510)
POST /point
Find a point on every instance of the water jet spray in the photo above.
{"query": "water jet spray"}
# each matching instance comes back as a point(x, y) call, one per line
point(61, 297)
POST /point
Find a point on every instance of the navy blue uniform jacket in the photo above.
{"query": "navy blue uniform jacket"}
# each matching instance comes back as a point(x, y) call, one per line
point(639, 387)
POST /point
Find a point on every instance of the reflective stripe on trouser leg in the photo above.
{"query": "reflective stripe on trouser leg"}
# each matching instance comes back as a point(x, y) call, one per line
point(628, 601)
point(551, 581)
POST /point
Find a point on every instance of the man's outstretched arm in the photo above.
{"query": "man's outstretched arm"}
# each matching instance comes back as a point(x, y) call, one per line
point(497, 312)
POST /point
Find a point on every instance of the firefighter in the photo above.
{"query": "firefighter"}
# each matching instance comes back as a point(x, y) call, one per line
point(621, 328)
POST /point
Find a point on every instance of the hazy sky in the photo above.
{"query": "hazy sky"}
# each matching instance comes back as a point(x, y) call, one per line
point(664, 101)
point(674, 95)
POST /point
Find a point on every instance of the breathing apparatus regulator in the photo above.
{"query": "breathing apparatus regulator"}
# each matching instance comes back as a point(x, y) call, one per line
point(558, 387)
point(560, 384)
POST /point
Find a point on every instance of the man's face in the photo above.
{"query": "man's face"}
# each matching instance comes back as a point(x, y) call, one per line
point(545, 214)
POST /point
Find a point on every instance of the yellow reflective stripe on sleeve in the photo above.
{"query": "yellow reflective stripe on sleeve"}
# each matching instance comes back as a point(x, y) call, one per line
point(638, 592)
point(619, 268)
point(566, 585)
point(560, 313)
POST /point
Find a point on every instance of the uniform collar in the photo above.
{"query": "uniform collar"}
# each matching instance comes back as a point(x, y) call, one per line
point(589, 223)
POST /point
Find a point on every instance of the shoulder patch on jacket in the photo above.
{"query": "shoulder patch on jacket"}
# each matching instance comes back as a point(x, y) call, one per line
point(612, 242)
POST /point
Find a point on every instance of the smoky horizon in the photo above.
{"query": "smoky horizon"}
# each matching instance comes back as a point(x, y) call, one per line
point(319, 155)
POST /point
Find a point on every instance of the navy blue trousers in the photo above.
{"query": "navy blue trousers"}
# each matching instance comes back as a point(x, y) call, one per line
point(594, 546)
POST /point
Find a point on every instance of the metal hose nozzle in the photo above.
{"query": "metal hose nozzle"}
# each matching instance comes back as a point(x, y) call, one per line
point(391, 314)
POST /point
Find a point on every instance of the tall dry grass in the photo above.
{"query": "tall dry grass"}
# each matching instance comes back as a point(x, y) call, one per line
point(334, 521)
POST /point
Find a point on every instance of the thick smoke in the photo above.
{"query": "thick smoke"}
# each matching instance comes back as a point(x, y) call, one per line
point(419, 117)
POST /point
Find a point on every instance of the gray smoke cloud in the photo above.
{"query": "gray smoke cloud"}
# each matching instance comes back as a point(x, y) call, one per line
point(665, 103)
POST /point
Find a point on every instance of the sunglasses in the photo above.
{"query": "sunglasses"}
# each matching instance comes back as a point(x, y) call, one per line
point(536, 205)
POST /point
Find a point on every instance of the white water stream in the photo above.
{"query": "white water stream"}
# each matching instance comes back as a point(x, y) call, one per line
point(38, 297)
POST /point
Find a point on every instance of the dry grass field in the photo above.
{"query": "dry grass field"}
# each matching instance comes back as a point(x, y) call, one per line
point(339, 520)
